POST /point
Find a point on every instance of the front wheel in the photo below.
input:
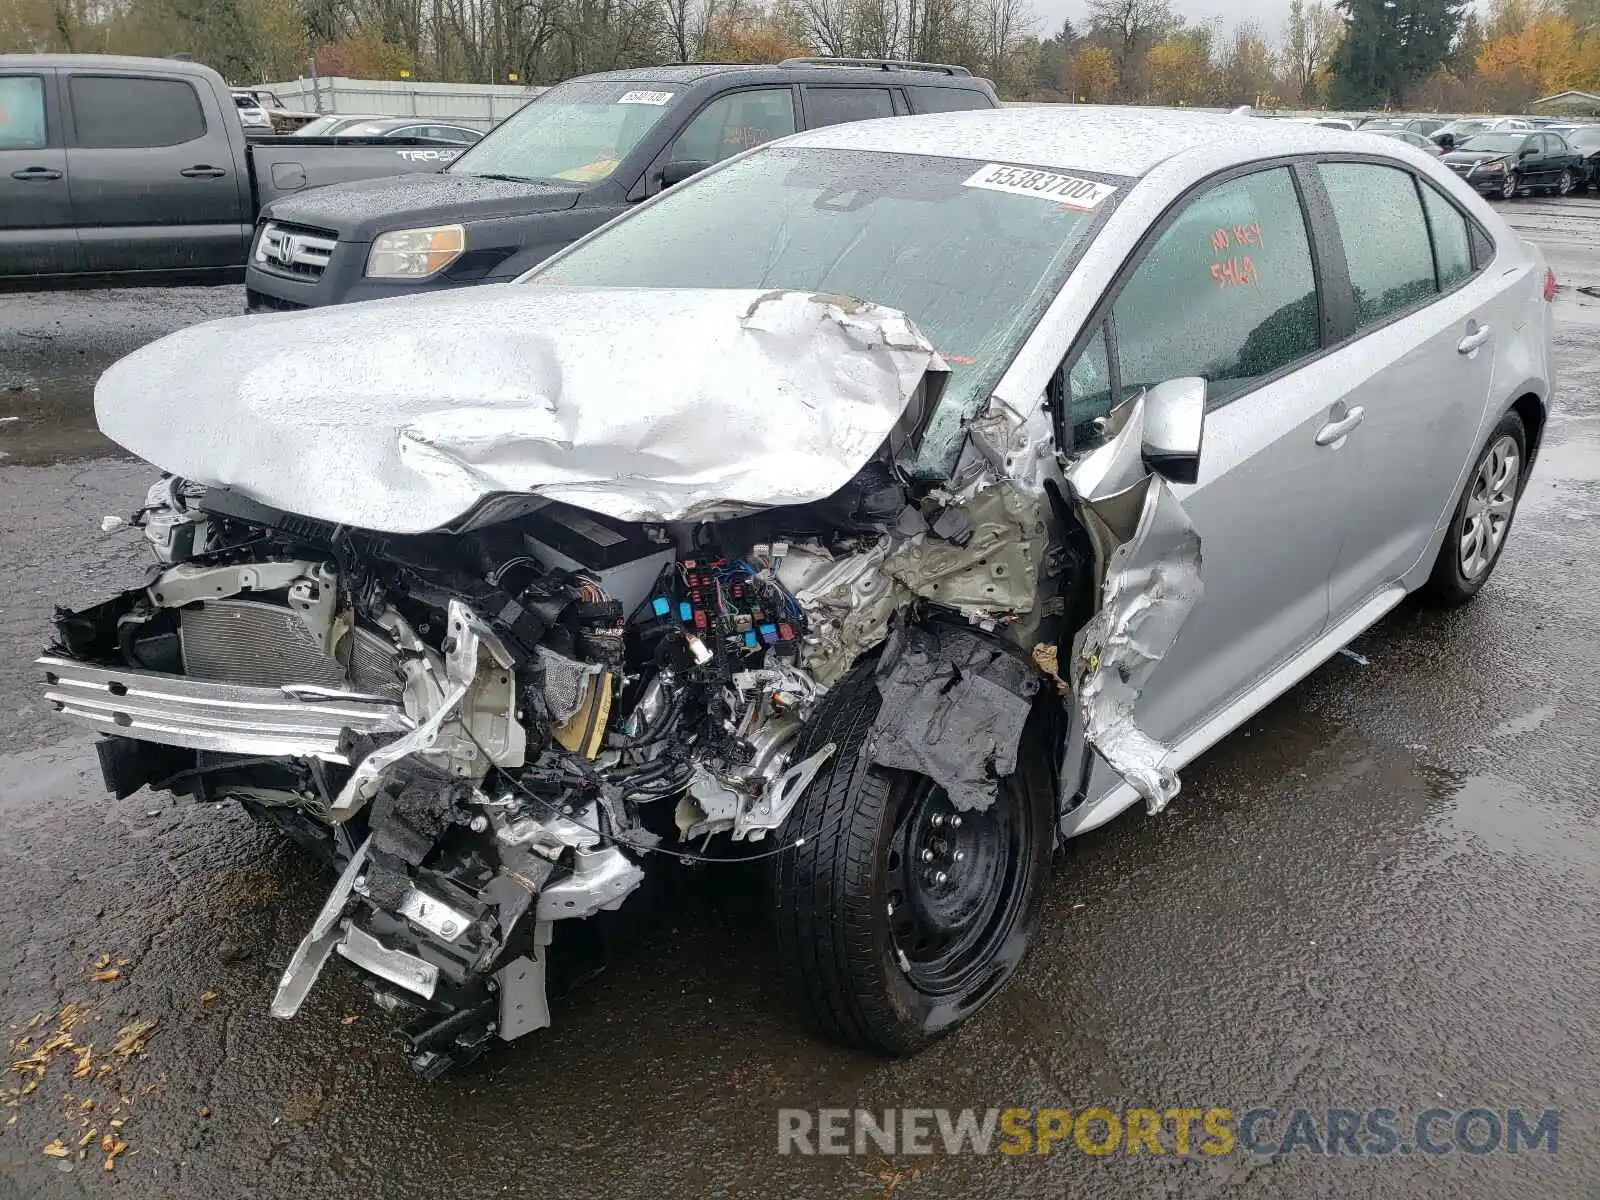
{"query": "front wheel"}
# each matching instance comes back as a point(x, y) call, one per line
point(1482, 518)
point(899, 917)
point(1508, 187)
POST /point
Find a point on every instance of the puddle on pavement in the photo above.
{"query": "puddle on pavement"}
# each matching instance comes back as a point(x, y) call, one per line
point(51, 423)
point(1503, 817)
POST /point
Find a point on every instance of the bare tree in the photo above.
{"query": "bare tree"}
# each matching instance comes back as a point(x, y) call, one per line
point(1131, 27)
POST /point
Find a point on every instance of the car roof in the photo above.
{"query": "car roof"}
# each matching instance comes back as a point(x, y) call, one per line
point(810, 72)
point(110, 62)
point(1110, 140)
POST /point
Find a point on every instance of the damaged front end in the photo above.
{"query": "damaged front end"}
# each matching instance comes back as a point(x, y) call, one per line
point(490, 726)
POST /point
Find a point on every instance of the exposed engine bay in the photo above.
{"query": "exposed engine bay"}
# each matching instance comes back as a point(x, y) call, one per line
point(490, 727)
point(489, 730)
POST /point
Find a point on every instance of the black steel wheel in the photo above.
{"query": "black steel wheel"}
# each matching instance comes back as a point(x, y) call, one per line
point(899, 917)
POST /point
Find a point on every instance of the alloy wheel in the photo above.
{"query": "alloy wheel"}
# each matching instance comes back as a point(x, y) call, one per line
point(1508, 188)
point(1564, 184)
point(1489, 507)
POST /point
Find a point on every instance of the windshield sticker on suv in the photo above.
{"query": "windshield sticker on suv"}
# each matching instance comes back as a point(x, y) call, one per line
point(1069, 190)
point(656, 98)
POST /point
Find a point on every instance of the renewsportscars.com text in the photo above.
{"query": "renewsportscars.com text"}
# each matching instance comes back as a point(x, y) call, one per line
point(1097, 1130)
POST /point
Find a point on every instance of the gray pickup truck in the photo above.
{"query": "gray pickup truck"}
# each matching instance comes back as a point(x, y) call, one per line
point(136, 171)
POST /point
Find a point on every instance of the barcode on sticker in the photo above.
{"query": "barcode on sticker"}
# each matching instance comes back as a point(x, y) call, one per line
point(656, 98)
point(1046, 185)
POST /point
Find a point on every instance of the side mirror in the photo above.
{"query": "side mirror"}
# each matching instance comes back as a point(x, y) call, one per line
point(1528, 152)
point(680, 169)
point(1174, 420)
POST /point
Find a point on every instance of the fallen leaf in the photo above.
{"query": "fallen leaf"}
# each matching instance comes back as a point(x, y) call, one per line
point(350, 1019)
point(204, 1111)
point(88, 1137)
point(107, 1142)
point(87, 1105)
point(12, 1119)
point(109, 975)
point(118, 1122)
point(111, 1159)
point(207, 996)
point(56, 1150)
point(84, 1066)
point(134, 1036)
point(102, 962)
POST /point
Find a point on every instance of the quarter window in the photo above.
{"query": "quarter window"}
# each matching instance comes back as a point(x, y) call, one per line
point(1227, 293)
point(926, 99)
point(1451, 248)
point(1385, 237)
point(736, 122)
point(21, 112)
point(1089, 387)
point(835, 106)
point(112, 112)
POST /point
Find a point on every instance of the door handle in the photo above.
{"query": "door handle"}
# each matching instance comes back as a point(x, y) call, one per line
point(1334, 431)
point(1475, 338)
point(202, 172)
point(36, 174)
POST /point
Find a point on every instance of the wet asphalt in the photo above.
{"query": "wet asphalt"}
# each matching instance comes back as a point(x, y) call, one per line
point(1383, 892)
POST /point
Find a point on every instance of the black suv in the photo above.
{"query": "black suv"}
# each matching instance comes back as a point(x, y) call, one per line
point(565, 164)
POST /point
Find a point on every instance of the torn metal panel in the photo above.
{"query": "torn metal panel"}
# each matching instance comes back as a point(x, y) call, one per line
point(847, 602)
point(981, 557)
point(641, 404)
point(954, 704)
point(1152, 583)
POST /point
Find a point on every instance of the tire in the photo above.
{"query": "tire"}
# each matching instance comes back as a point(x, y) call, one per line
point(838, 932)
point(1464, 566)
point(1564, 184)
point(1508, 189)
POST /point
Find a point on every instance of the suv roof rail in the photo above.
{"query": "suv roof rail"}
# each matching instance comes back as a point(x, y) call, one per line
point(880, 64)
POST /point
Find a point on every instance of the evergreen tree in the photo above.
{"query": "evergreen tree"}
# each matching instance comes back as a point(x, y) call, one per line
point(1391, 45)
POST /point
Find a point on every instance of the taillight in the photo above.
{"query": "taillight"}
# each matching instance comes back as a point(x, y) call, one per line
point(1549, 284)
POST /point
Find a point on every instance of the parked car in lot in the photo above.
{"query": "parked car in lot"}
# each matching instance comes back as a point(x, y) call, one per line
point(252, 116)
point(1585, 140)
point(428, 129)
point(284, 119)
point(1417, 140)
point(1503, 164)
point(332, 123)
point(1450, 135)
point(888, 502)
point(565, 164)
point(137, 171)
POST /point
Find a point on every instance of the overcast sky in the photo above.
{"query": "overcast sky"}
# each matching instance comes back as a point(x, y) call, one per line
point(1270, 14)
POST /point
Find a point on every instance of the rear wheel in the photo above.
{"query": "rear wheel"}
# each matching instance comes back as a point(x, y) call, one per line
point(1483, 517)
point(1564, 184)
point(900, 917)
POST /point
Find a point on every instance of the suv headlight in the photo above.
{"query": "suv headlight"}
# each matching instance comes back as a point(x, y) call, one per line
point(415, 253)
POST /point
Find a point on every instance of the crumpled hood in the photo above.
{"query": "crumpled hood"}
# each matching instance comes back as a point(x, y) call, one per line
point(360, 210)
point(401, 415)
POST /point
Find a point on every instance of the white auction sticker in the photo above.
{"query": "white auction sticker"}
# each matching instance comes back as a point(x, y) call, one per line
point(657, 98)
point(1046, 185)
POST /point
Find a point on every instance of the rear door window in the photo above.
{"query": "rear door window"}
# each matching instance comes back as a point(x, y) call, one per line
point(736, 122)
point(1226, 293)
point(925, 99)
point(837, 105)
point(116, 112)
point(21, 112)
point(1452, 247)
point(1385, 237)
